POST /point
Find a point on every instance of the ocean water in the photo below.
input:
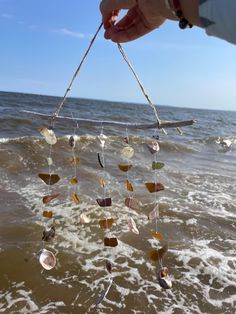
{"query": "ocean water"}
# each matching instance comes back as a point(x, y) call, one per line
point(197, 211)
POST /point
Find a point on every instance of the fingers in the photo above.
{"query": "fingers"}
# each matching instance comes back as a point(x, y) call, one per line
point(127, 34)
point(111, 8)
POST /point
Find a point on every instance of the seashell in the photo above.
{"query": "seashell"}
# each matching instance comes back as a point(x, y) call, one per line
point(47, 259)
point(102, 139)
point(72, 141)
point(132, 226)
point(127, 152)
point(132, 203)
point(101, 163)
point(154, 213)
point(84, 219)
point(48, 135)
point(48, 234)
point(164, 278)
point(126, 139)
point(154, 148)
point(48, 198)
point(102, 182)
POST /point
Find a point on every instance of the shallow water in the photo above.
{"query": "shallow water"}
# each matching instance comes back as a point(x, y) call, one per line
point(197, 212)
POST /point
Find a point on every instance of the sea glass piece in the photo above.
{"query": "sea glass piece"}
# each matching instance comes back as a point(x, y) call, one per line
point(48, 135)
point(49, 179)
point(129, 186)
point(127, 152)
point(48, 234)
point(75, 198)
point(84, 219)
point(73, 181)
point(104, 202)
point(154, 187)
point(100, 161)
point(157, 165)
point(106, 223)
point(154, 214)
point(124, 167)
point(48, 198)
point(47, 259)
point(72, 141)
point(47, 214)
point(112, 242)
point(132, 203)
point(157, 236)
point(74, 161)
point(132, 226)
point(102, 182)
point(164, 278)
point(50, 161)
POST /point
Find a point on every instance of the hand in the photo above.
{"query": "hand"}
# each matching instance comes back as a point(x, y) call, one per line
point(142, 17)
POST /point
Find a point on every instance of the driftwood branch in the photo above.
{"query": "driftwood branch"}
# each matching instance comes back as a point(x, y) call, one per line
point(90, 122)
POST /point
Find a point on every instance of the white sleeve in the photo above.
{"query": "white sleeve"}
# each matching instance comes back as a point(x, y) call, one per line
point(218, 17)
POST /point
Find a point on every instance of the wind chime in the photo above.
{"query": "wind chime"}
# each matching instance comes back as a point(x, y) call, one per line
point(157, 255)
point(46, 257)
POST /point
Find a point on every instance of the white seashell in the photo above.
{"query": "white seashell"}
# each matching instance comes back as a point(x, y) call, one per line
point(132, 226)
point(84, 219)
point(102, 138)
point(164, 278)
point(47, 259)
point(155, 145)
point(154, 213)
point(49, 136)
point(50, 161)
point(127, 152)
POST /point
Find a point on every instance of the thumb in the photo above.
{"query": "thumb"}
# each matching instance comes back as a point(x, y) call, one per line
point(107, 7)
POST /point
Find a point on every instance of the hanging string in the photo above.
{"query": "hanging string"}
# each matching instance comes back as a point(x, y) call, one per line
point(56, 113)
point(141, 85)
point(76, 74)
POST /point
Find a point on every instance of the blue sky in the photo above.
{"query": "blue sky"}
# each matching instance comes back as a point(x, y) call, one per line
point(42, 42)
